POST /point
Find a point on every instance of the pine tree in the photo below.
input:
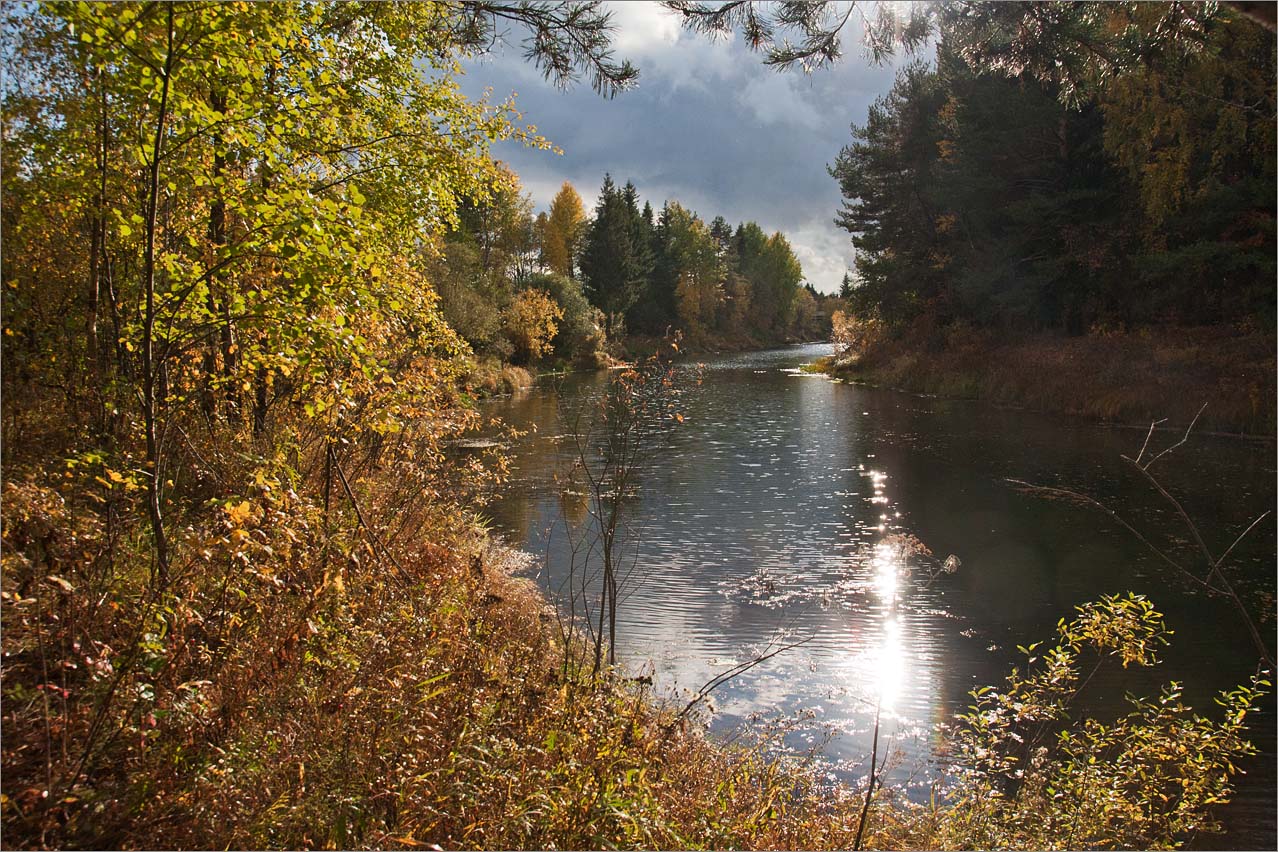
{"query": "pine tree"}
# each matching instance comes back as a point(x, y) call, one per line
point(640, 237)
point(660, 311)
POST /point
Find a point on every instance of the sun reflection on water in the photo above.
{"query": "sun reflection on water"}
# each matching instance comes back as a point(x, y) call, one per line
point(878, 672)
point(879, 667)
point(887, 573)
point(889, 661)
point(890, 664)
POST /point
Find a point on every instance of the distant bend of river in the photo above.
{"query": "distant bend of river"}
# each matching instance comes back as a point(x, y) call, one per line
point(768, 509)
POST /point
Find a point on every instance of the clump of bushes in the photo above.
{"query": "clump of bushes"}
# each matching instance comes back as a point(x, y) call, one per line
point(579, 338)
point(853, 336)
point(1032, 775)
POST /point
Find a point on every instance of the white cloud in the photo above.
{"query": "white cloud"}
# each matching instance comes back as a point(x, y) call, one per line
point(670, 57)
point(709, 126)
point(643, 29)
point(824, 250)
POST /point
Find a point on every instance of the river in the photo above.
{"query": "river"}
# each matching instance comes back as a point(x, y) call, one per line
point(768, 508)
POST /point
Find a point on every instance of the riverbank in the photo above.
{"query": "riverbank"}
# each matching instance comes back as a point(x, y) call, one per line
point(1129, 379)
point(406, 696)
point(491, 377)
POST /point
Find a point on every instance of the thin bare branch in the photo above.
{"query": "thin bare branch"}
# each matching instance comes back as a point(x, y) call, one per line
point(719, 680)
point(1148, 435)
point(1215, 580)
point(1096, 504)
point(1180, 510)
point(1179, 443)
point(1231, 547)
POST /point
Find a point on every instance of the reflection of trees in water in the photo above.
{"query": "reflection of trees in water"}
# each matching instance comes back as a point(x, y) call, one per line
point(611, 435)
point(574, 505)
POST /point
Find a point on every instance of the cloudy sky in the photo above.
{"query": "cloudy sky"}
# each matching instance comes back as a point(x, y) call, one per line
point(708, 125)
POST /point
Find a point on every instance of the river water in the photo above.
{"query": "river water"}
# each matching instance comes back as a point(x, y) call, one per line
point(777, 509)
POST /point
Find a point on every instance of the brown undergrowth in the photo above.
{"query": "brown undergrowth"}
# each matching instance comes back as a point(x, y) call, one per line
point(491, 377)
point(1128, 377)
point(308, 678)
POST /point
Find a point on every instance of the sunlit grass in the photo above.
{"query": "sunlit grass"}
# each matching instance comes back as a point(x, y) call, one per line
point(1131, 378)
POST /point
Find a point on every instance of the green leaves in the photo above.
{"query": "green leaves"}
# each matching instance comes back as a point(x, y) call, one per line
point(1031, 776)
point(296, 200)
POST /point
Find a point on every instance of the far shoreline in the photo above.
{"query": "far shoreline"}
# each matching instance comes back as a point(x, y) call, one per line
point(1126, 380)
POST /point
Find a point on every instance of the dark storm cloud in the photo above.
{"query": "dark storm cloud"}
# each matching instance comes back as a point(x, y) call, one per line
point(708, 125)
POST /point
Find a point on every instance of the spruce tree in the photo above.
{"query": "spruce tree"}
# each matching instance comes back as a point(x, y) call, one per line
point(609, 266)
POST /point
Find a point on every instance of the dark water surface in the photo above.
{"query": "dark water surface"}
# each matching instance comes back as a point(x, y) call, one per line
point(769, 509)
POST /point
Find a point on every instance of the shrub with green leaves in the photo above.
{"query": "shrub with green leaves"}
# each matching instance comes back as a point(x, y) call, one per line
point(1032, 776)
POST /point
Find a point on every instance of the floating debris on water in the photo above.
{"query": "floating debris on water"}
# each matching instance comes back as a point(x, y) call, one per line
point(475, 444)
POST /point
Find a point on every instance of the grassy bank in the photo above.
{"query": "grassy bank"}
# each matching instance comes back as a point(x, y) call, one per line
point(391, 699)
point(1130, 378)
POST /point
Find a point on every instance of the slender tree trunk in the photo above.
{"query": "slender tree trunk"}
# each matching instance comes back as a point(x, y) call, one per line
point(219, 304)
point(150, 403)
point(217, 238)
point(610, 579)
point(869, 790)
point(219, 301)
point(98, 263)
point(260, 382)
point(95, 292)
point(260, 400)
point(599, 632)
point(96, 228)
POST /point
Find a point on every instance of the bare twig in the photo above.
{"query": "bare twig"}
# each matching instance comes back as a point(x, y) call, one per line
point(1148, 435)
point(1214, 581)
point(1241, 536)
point(1180, 510)
point(1179, 443)
point(720, 679)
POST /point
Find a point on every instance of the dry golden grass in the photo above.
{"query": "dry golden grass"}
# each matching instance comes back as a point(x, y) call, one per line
point(296, 689)
point(1130, 378)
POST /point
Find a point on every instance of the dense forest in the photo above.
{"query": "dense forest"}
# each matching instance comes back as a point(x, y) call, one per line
point(1101, 176)
point(564, 285)
point(974, 197)
point(257, 260)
